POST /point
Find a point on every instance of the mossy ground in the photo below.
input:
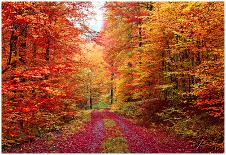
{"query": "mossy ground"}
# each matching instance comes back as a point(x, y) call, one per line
point(114, 141)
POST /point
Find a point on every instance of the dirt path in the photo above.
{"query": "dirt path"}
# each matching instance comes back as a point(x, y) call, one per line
point(109, 132)
point(140, 140)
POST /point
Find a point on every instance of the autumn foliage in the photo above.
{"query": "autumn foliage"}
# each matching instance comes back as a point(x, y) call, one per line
point(159, 63)
point(168, 63)
point(39, 44)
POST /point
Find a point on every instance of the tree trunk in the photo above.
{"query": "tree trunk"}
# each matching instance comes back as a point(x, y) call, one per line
point(23, 45)
point(90, 98)
point(13, 42)
point(140, 35)
point(34, 50)
point(112, 89)
point(47, 50)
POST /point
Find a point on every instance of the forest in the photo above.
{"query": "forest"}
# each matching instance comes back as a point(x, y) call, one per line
point(150, 80)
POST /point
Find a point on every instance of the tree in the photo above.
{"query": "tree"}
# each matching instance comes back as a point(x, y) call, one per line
point(43, 32)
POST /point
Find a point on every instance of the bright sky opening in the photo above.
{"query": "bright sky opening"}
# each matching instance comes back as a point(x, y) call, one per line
point(96, 21)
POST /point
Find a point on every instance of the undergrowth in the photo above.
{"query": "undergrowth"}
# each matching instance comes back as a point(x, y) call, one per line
point(206, 133)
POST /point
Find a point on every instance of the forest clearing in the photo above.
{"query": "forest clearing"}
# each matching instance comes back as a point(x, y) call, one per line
point(112, 77)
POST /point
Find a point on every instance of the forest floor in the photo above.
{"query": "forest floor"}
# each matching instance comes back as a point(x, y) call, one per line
point(108, 132)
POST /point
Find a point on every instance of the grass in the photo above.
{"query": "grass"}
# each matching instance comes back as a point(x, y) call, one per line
point(128, 109)
point(115, 145)
point(81, 118)
point(100, 105)
point(109, 123)
point(114, 141)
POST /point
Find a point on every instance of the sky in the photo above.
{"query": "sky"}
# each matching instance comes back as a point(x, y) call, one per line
point(96, 21)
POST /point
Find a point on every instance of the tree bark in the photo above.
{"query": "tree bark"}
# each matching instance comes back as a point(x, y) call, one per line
point(90, 98)
point(23, 44)
point(47, 50)
point(13, 42)
point(112, 88)
point(34, 50)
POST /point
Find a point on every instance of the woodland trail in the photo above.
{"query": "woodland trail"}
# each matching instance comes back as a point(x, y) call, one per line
point(109, 132)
